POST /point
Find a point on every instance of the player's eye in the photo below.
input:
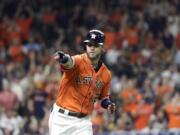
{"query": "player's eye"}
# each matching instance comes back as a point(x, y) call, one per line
point(95, 45)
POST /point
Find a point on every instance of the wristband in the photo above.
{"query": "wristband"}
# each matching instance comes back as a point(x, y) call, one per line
point(105, 103)
point(64, 59)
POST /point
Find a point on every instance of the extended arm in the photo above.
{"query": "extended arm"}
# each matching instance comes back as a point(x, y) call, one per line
point(64, 59)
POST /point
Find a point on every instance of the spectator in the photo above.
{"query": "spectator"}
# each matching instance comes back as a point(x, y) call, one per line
point(141, 114)
point(173, 111)
point(8, 99)
point(158, 121)
point(16, 51)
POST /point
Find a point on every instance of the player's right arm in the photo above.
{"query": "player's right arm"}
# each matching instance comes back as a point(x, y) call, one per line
point(66, 61)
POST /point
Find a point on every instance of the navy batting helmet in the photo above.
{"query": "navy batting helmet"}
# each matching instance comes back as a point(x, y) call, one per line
point(95, 36)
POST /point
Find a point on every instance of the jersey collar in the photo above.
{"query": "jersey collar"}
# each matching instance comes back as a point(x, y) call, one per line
point(100, 63)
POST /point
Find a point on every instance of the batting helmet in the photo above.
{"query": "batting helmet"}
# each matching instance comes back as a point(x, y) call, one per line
point(95, 36)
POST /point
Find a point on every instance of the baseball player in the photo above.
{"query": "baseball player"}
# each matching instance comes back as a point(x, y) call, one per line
point(85, 80)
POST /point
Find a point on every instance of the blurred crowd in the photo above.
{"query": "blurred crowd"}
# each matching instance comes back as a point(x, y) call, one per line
point(142, 51)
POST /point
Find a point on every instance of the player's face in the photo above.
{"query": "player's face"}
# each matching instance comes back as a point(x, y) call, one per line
point(94, 51)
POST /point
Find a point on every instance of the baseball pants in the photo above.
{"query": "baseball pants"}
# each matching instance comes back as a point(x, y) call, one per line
point(63, 124)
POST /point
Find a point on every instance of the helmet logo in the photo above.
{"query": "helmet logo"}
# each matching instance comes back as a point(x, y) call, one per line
point(93, 36)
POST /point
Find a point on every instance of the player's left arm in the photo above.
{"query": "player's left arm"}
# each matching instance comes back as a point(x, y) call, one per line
point(105, 99)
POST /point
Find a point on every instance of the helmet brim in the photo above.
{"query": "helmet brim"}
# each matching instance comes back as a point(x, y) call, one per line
point(90, 41)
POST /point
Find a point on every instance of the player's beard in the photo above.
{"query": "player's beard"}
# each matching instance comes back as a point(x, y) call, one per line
point(95, 57)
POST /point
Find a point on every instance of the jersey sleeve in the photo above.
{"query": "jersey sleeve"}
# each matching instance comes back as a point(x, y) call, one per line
point(105, 93)
point(76, 61)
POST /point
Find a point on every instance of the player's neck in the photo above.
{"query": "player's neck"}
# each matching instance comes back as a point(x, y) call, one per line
point(95, 63)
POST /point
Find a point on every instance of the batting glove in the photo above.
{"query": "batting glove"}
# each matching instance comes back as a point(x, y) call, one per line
point(61, 57)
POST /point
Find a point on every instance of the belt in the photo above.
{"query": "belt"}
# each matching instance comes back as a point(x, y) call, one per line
point(75, 114)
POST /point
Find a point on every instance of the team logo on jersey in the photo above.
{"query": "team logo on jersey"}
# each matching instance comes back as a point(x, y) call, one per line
point(83, 80)
point(87, 80)
point(98, 84)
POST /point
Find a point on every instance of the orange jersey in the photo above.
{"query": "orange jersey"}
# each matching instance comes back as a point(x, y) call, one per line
point(174, 115)
point(82, 85)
